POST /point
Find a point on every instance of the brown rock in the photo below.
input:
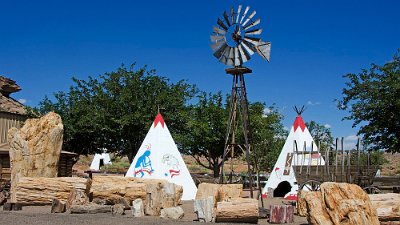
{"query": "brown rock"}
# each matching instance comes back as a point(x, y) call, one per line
point(348, 204)
point(172, 213)
point(301, 204)
point(118, 210)
point(3, 198)
point(57, 206)
point(42, 190)
point(35, 148)
point(76, 197)
point(340, 203)
point(316, 211)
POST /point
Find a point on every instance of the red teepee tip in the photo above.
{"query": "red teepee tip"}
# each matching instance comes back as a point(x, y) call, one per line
point(158, 119)
point(299, 123)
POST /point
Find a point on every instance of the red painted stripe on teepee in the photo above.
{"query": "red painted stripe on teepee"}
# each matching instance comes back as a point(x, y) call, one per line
point(159, 119)
point(291, 197)
point(299, 123)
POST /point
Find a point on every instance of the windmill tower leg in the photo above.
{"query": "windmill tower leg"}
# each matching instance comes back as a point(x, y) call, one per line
point(238, 105)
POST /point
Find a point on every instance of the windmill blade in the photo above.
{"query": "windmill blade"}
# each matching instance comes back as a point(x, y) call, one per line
point(220, 50)
point(244, 14)
point(222, 24)
point(253, 40)
point(232, 14)
point(254, 32)
point(217, 38)
point(243, 54)
point(238, 13)
point(227, 19)
point(250, 25)
point(231, 57)
point(238, 58)
point(224, 57)
point(264, 50)
point(249, 18)
point(218, 45)
point(247, 47)
point(218, 31)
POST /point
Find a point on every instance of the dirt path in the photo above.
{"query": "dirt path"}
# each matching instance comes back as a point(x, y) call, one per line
point(40, 215)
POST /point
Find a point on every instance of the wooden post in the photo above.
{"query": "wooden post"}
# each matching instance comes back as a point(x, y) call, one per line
point(336, 158)
point(281, 214)
point(342, 171)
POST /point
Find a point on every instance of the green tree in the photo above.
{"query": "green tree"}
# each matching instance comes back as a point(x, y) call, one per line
point(115, 110)
point(207, 126)
point(321, 134)
point(372, 98)
point(268, 135)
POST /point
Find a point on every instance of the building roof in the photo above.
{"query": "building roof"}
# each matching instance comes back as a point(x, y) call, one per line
point(8, 104)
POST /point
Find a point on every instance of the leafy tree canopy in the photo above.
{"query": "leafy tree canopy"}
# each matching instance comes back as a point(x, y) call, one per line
point(372, 98)
point(115, 110)
point(321, 134)
point(268, 135)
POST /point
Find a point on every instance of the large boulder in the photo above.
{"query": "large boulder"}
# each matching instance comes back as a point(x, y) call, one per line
point(340, 203)
point(35, 148)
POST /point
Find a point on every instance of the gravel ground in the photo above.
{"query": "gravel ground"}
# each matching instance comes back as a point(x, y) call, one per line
point(40, 215)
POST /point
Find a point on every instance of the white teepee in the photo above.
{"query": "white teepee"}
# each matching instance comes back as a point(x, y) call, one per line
point(282, 177)
point(159, 158)
point(105, 157)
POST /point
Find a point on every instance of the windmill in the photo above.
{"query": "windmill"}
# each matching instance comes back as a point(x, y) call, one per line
point(234, 40)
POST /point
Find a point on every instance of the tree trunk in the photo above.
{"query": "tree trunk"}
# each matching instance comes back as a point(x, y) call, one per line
point(216, 168)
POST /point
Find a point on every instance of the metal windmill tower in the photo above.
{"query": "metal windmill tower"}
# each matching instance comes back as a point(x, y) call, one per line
point(234, 40)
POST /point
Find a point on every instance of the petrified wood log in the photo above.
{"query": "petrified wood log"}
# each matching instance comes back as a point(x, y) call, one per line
point(243, 210)
point(387, 206)
point(35, 149)
point(340, 203)
point(204, 209)
point(281, 214)
point(112, 188)
point(219, 192)
point(42, 190)
point(90, 208)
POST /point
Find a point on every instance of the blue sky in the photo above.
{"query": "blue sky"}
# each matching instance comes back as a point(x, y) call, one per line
point(44, 43)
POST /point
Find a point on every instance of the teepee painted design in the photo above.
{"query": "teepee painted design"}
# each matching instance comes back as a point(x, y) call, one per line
point(159, 158)
point(282, 174)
